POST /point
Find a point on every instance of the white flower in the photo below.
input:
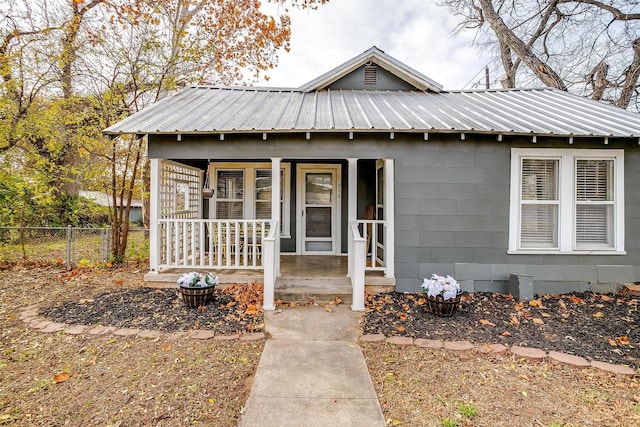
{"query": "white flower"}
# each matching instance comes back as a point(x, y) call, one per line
point(447, 287)
point(194, 279)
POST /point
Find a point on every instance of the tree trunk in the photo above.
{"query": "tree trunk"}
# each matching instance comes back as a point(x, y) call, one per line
point(547, 75)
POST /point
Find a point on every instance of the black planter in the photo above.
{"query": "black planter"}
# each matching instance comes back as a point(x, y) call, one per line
point(441, 307)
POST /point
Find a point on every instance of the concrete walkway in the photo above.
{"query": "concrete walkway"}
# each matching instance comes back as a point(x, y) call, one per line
point(312, 372)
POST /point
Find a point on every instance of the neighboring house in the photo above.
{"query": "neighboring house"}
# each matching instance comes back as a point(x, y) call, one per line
point(103, 199)
point(478, 184)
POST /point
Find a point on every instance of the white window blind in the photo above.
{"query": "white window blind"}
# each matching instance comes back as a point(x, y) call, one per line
point(594, 203)
point(230, 194)
point(539, 211)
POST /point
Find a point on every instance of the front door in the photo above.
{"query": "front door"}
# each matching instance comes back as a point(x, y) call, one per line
point(318, 212)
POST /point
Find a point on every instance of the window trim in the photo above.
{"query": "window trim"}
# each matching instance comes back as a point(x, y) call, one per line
point(567, 199)
point(249, 202)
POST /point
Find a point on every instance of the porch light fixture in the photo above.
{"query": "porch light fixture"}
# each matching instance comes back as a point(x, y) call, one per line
point(222, 137)
point(534, 139)
point(499, 137)
point(426, 137)
point(571, 140)
point(392, 135)
point(462, 137)
point(179, 137)
point(606, 140)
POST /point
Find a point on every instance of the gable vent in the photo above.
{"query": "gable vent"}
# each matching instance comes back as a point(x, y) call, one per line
point(370, 75)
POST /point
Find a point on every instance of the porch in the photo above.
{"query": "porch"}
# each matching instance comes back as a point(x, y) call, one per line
point(257, 216)
point(316, 277)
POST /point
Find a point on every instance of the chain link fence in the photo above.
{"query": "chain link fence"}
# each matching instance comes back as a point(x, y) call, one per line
point(72, 246)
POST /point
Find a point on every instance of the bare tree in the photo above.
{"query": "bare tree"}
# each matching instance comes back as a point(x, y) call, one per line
point(589, 47)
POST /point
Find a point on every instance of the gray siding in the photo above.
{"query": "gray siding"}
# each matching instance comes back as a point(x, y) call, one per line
point(452, 203)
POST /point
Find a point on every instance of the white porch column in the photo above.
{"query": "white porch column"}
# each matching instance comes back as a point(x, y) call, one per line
point(389, 210)
point(154, 215)
point(353, 205)
point(275, 206)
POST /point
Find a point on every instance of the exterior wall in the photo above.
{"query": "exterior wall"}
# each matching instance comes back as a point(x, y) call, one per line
point(452, 204)
point(355, 80)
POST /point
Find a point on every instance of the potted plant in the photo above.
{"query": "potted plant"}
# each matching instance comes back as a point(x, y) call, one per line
point(443, 294)
point(196, 288)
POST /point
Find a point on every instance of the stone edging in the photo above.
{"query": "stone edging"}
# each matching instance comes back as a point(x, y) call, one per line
point(528, 353)
point(30, 316)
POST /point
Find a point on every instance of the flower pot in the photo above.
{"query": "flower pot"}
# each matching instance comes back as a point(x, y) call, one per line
point(195, 297)
point(441, 307)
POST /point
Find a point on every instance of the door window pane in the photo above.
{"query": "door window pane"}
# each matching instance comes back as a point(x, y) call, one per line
point(318, 188)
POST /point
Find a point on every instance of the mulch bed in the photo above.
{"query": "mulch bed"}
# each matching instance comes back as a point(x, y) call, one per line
point(594, 326)
point(233, 310)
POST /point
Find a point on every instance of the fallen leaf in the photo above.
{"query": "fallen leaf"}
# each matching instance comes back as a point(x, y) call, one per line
point(166, 347)
point(61, 377)
point(519, 306)
point(624, 340)
point(534, 303)
point(486, 322)
point(403, 316)
point(605, 298)
point(420, 301)
point(562, 305)
point(337, 300)
point(545, 314)
point(538, 321)
point(400, 328)
point(576, 300)
point(328, 308)
point(612, 343)
point(514, 321)
point(506, 334)
point(251, 309)
point(118, 282)
point(598, 315)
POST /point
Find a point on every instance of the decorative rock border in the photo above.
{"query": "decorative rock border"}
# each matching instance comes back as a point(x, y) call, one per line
point(31, 317)
point(528, 353)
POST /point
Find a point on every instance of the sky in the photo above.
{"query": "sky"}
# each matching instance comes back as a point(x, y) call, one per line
point(418, 33)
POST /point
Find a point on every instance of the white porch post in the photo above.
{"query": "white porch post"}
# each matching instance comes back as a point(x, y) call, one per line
point(154, 215)
point(275, 205)
point(353, 206)
point(389, 210)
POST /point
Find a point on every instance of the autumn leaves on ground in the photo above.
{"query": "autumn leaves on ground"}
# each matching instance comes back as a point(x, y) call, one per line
point(56, 379)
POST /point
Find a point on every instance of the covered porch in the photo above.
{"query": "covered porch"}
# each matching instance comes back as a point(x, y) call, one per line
point(238, 233)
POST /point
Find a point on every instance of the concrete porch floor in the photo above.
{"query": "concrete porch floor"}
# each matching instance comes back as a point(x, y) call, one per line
point(320, 278)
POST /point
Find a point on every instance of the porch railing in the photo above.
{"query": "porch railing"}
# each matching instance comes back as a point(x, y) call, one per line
point(212, 243)
point(373, 232)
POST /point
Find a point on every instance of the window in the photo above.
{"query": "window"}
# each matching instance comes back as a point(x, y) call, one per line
point(243, 191)
point(566, 201)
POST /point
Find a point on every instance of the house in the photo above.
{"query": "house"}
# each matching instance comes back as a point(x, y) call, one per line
point(377, 166)
point(104, 199)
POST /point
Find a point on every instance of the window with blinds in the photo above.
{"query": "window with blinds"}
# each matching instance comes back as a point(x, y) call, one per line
point(539, 211)
point(243, 191)
point(594, 203)
point(230, 194)
point(566, 200)
point(263, 196)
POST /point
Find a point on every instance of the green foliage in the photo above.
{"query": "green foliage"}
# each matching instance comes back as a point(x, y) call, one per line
point(467, 410)
point(448, 422)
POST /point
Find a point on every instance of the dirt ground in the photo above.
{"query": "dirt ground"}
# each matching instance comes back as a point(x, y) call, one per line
point(58, 379)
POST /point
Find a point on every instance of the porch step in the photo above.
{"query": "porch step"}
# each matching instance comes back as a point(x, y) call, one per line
point(321, 290)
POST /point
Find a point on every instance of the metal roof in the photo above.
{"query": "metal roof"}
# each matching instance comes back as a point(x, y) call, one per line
point(209, 109)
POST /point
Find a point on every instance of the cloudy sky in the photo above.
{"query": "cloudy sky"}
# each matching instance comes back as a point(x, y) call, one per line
point(416, 32)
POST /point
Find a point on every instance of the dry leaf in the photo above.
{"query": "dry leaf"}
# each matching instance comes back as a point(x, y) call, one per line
point(534, 303)
point(118, 282)
point(400, 328)
point(519, 306)
point(576, 300)
point(328, 308)
point(612, 343)
point(624, 340)
point(605, 298)
point(486, 322)
point(598, 315)
point(337, 300)
point(562, 305)
point(506, 334)
point(251, 309)
point(402, 316)
point(61, 377)
point(514, 321)
point(538, 321)
point(166, 347)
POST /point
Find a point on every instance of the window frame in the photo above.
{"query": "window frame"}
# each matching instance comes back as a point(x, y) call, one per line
point(249, 190)
point(567, 187)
